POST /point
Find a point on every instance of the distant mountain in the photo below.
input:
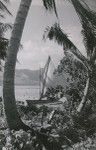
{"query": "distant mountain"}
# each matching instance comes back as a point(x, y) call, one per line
point(27, 77)
point(24, 77)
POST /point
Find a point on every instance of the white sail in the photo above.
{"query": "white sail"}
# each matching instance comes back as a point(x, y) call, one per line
point(50, 73)
point(44, 77)
point(49, 79)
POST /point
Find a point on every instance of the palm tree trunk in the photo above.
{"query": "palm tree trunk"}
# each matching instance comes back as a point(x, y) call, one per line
point(12, 116)
point(84, 99)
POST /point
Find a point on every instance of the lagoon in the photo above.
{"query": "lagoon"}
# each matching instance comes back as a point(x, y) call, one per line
point(25, 92)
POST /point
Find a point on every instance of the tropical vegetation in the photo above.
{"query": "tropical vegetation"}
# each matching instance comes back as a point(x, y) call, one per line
point(73, 124)
point(3, 28)
point(88, 21)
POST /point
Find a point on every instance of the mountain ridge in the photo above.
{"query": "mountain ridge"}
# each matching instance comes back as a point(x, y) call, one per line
point(24, 77)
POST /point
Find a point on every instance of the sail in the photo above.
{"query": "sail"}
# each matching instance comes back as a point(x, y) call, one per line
point(50, 74)
point(49, 79)
point(47, 76)
point(44, 77)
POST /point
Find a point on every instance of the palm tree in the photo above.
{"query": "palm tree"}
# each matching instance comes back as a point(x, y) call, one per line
point(88, 22)
point(12, 116)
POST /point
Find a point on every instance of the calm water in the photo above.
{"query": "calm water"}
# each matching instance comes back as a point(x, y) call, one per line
point(25, 92)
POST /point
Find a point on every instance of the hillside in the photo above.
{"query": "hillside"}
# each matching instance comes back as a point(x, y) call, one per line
point(24, 77)
point(27, 77)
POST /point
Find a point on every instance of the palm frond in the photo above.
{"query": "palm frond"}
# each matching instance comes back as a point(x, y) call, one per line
point(3, 47)
point(57, 34)
point(84, 12)
point(89, 38)
point(4, 27)
point(3, 7)
point(88, 21)
point(50, 5)
point(3, 41)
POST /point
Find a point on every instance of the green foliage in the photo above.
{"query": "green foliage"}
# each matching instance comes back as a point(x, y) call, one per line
point(66, 127)
point(3, 48)
point(3, 41)
point(88, 21)
point(69, 64)
point(54, 94)
point(50, 5)
point(3, 28)
point(77, 75)
point(56, 33)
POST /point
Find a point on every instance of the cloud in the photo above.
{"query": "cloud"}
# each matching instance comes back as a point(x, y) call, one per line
point(35, 52)
point(32, 56)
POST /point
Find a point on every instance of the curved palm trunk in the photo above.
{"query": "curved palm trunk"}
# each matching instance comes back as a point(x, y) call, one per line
point(84, 99)
point(12, 116)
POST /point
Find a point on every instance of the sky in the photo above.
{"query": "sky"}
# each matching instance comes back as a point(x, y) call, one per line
point(36, 51)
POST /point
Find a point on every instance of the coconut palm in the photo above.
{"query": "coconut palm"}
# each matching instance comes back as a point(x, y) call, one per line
point(88, 21)
point(12, 116)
